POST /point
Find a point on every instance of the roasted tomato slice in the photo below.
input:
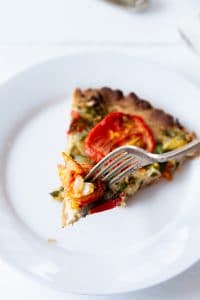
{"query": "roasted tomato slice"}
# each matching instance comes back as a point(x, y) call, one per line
point(108, 204)
point(96, 195)
point(79, 192)
point(115, 130)
point(78, 124)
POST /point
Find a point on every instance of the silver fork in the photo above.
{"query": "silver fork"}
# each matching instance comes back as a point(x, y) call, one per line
point(127, 159)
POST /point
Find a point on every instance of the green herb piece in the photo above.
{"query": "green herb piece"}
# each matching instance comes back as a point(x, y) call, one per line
point(58, 194)
point(122, 186)
point(159, 149)
point(169, 132)
point(154, 174)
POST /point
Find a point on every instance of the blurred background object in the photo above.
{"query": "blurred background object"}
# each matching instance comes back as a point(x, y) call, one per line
point(139, 4)
point(190, 31)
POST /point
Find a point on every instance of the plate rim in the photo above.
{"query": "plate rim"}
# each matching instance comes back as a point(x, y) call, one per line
point(94, 52)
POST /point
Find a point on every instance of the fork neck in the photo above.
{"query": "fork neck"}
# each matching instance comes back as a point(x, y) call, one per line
point(187, 150)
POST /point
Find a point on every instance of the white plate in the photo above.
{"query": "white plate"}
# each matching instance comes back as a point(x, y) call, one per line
point(155, 238)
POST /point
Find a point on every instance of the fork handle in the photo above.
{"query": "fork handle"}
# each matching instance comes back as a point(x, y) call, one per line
point(177, 154)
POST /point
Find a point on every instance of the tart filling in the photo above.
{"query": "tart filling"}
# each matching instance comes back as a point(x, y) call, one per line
point(102, 120)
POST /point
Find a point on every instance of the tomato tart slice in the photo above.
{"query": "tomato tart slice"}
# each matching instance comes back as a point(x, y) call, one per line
point(102, 120)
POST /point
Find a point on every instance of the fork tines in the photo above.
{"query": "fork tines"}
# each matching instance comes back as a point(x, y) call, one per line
point(114, 167)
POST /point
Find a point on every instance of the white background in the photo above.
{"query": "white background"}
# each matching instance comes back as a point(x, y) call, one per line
point(33, 31)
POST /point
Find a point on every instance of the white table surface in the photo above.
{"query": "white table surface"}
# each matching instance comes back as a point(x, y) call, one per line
point(33, 31)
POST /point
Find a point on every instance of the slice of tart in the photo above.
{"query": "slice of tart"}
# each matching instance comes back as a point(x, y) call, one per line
point(102, 120)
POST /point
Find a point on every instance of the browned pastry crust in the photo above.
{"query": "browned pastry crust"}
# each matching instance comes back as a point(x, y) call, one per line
point(114, 100)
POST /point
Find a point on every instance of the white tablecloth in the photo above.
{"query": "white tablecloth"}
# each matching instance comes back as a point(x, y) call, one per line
point(33, 31)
